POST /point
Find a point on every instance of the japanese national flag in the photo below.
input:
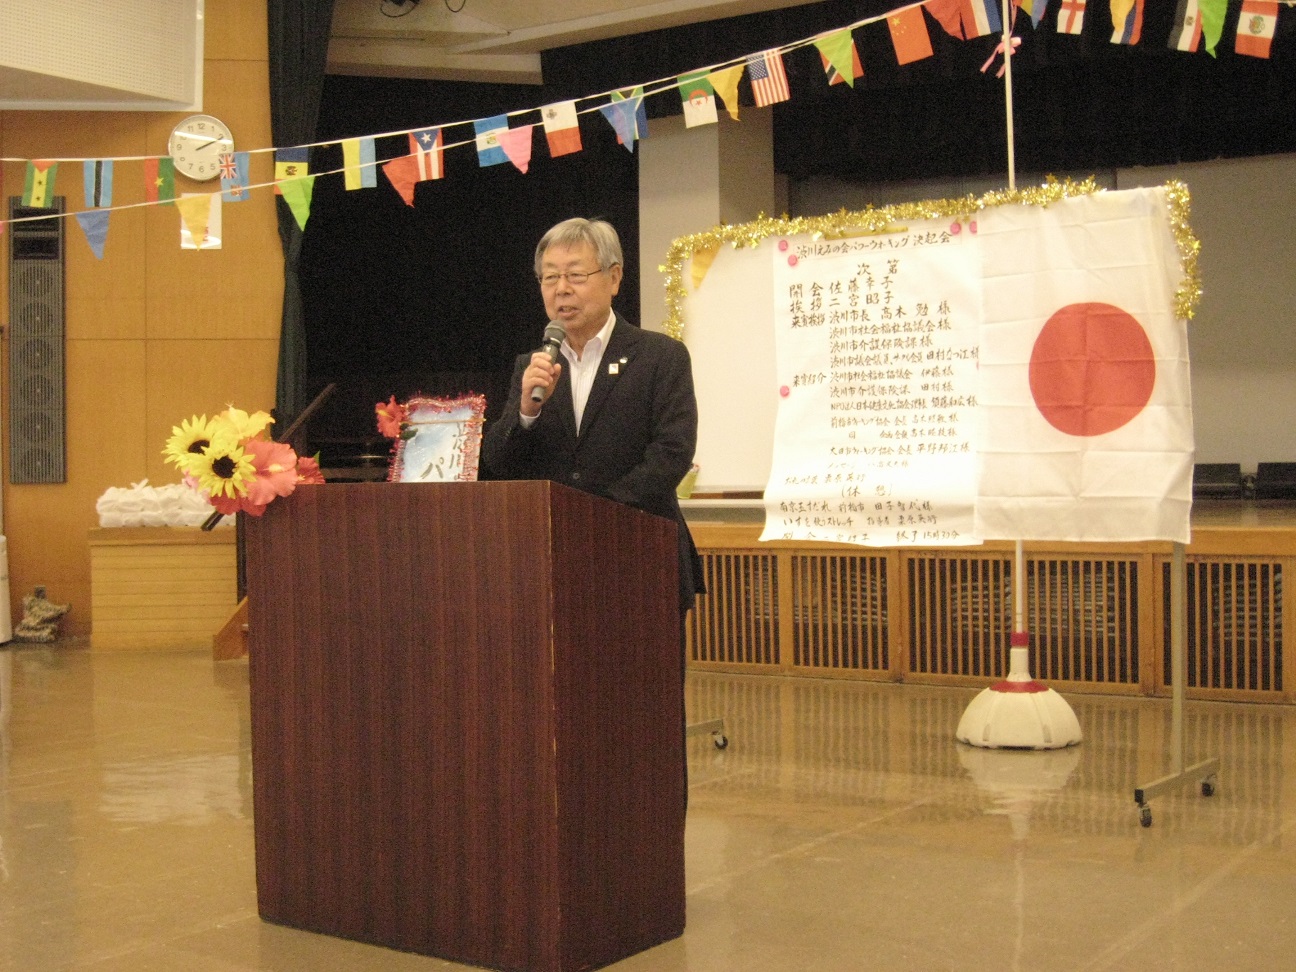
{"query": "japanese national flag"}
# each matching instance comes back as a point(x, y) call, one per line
point(1085, 402)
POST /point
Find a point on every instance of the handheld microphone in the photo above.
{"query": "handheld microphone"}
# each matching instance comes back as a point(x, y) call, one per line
point(553, 339)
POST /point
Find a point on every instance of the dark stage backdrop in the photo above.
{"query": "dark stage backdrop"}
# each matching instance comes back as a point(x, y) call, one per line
point(440, 297)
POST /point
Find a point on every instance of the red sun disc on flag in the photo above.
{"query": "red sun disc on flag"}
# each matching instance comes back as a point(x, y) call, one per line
point(1092, 369)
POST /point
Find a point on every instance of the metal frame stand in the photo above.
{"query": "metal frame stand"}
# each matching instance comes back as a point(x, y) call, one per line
point(1208, 769)
point(713, 726)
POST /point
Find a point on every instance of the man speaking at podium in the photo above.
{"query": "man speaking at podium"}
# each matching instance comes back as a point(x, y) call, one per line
point(610, 410)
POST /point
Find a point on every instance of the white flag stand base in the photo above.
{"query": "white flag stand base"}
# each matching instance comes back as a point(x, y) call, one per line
point(1019, 712)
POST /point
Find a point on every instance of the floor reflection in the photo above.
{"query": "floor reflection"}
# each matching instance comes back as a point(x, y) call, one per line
point(843, 828)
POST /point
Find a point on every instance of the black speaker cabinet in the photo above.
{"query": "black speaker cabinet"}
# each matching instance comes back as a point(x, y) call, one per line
point(37, 352)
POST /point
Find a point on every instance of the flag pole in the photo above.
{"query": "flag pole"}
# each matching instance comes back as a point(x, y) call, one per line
point(1017, 712)
point(1008, 102)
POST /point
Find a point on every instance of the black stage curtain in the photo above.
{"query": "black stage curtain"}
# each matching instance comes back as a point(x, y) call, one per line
point(299, 37)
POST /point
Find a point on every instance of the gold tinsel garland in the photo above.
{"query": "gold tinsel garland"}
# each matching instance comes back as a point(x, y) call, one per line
point(869, 221)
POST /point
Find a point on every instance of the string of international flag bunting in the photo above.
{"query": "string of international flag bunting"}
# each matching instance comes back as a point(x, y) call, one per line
point(499, 140)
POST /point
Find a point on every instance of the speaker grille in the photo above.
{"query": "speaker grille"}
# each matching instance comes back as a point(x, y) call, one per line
point(37, 388)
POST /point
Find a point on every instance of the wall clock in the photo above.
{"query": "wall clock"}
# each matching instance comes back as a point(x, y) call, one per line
point(196, 145)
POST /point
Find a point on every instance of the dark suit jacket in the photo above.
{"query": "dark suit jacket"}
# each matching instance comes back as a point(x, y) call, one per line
point(636, 441)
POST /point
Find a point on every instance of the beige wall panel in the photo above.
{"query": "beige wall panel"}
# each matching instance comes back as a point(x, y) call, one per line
point(235, 30)
point(186, 378)
point(235, 92)
point(46, 524)
point(105, 298)
point(155, 334)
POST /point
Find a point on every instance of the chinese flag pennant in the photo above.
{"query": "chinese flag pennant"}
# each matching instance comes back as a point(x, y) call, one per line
point(1084, 405)
point(97, 179)
point(234, 176)
point(516, 144)
point(1255, 30)
point(1071, 17)
point(290, 163)
point(1186, 33)
point(840, 58)
point(358, 169)
point(562, 128)
point(725, 81)
point(1127, 21)
point(768, 78)
point(159, 180)
point(427, 146)
point(909, 35)
point(38, 185)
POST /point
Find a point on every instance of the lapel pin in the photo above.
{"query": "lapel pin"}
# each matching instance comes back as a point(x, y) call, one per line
point(614, 368)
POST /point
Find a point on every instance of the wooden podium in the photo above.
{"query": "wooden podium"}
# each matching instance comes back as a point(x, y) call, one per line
point(467, 727)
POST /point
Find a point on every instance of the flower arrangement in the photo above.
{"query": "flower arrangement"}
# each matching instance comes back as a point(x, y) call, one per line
point(231, 459)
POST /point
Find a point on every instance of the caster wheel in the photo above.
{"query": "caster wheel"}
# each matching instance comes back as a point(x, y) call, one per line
point(722, 742)
point(1145, 816)
point(1208, 788)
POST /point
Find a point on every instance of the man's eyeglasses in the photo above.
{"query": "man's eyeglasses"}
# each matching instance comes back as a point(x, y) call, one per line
point(573, 277)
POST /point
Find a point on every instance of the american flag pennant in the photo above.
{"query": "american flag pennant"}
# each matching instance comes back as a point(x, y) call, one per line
point(768, 78)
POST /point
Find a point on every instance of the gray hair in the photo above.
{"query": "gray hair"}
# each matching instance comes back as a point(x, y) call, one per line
point(598, 233)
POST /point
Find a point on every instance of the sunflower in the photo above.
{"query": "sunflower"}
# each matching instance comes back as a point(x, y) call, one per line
point(187, 442)
point(240, 424)
point(225, 468)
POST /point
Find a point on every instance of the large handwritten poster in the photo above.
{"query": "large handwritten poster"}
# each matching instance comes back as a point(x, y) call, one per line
point(945, 372)
point(876, 340)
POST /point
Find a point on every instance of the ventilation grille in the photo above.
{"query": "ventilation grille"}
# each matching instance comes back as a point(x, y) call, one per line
point(1083, 620)
point(840, 607)
point(1234, 634)
point(37, 398)
point(960, 615)
point(737, 621)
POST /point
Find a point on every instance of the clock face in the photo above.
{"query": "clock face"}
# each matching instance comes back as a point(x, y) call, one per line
point(197, 144)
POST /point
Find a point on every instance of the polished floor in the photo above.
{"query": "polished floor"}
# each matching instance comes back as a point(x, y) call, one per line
point(842, 829)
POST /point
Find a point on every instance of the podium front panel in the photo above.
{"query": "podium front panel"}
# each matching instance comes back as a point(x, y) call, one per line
point(466, 725)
